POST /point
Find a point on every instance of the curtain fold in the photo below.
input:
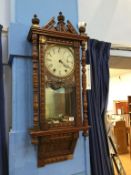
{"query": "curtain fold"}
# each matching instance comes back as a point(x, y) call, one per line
point(97, 57)
point(3, 146)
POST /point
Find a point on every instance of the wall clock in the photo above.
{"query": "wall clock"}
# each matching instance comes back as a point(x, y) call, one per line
point(59, 88)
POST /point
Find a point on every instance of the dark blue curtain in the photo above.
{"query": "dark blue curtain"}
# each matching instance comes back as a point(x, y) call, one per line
point(97, 57)
point(3, 150)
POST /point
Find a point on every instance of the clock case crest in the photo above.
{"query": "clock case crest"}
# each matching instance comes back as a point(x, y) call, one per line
point(57, 142)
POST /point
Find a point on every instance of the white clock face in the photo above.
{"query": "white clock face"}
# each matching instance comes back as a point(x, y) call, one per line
point(59, 60)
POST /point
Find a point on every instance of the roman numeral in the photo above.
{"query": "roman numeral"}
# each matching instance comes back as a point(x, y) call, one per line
point(58, 49)
point(48, 59)
point(50, 65)
point(49, 54)
point(59, 72)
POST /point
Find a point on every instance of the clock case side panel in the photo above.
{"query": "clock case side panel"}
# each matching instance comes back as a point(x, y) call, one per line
point(36, 90)
point(42, 84)
point(78, 84)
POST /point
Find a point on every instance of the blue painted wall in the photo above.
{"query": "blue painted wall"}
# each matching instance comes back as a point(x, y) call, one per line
point(22, 154)
point(22, 11)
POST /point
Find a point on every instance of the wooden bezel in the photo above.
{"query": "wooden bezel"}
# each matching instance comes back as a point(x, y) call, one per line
point(57, 142)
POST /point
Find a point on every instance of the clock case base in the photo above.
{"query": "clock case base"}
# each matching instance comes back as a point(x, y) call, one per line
point(55, 147)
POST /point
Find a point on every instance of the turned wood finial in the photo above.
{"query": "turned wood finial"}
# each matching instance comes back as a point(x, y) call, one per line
point(61, 24)
point(61, 17)
point(82, 27)
point(35, 21)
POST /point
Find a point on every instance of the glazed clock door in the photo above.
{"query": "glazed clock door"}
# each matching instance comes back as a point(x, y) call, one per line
point(60, 91)
point(60, 106)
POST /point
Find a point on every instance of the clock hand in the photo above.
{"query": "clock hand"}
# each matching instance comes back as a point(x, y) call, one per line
point(65, 65)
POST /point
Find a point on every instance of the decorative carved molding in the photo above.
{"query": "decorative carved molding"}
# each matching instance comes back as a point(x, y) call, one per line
point(60, 26)
point(50, 25)
point(85, 117)
point(35, 79)
point(56, 148)
point(70, 28)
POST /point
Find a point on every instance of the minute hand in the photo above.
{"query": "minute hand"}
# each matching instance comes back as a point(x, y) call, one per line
point(65, 65)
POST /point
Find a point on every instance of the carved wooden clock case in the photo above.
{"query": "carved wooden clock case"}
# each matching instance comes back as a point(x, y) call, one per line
point(59, 88)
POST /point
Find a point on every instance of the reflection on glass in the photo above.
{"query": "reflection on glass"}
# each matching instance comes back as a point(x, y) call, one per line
point(60, 105)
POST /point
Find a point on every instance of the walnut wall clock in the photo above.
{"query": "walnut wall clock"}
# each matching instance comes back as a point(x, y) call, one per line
point(59, 88)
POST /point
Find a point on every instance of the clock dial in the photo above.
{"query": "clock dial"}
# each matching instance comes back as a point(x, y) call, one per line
point(59, 60)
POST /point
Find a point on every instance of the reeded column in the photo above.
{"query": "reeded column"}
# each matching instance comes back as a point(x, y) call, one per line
point(83, 60)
